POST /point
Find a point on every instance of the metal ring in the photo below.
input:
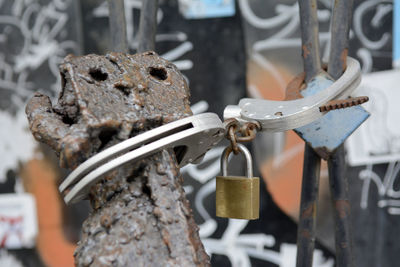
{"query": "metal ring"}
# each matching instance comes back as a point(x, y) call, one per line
point(232, 137)
point(249, 161)
point(248, 131)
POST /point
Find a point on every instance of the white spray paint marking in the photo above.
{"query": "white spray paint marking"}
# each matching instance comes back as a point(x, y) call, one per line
point(40, 27)
point(178, 51)
point(385, 188)
point(253, 91)
point(203, 175)
point(359, 26)
point(266, 23)
point(366, 59)
point(394, 211)
point(40, 53)
point(185, 64)
point(288, 257)
point(8, 260)
point(199, 107)
point(17, 144)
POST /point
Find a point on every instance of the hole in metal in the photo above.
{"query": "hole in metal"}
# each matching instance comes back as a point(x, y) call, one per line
point(158, 73)
point(98, 75)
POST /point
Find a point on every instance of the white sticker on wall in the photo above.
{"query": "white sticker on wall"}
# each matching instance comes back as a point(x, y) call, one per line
point(18, 221)
point(201, 9)
point(378, 139)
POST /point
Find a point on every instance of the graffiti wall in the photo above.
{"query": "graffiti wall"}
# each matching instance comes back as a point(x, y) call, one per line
point(226, 50)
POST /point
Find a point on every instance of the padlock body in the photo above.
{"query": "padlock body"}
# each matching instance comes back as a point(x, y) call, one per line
point(238, 197)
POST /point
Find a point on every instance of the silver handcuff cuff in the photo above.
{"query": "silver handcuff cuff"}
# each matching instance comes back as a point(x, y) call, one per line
point(199, 133)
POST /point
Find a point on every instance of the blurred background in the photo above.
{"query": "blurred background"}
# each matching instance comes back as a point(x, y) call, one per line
point(226, 49)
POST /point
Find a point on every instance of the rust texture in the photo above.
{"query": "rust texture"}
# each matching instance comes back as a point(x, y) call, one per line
point(295, 86)
point(140, 214)
point(309, 38)
point(343, 103)
point(308, 208)
point(343, 58)
point(340, 28)
point(323, 152)
point(342, 208)
point(309, 189)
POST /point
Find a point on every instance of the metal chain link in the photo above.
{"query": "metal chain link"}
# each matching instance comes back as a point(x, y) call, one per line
point(245, 133)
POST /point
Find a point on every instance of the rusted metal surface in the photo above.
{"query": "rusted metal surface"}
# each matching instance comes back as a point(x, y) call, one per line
point(294, 87)
point(340, 27)
point(140, 213)
point(341, 21)
point(309, 38)
point(147, 25)
point(107, 99)
point(328, 144)
point(117, 26)
point(341, 205)
point(312, 162)
point(246, 133)
point(344, 103)
point(308, 208)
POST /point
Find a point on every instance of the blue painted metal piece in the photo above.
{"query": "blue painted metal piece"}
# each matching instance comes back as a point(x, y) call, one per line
point(329, 132)
point(317, 84)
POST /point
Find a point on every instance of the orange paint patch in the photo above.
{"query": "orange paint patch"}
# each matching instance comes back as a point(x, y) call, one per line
point(40, 180)
point(269, 86)
point(283, 175)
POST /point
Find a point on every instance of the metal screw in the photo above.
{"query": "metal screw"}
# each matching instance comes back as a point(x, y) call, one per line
point(343, 103)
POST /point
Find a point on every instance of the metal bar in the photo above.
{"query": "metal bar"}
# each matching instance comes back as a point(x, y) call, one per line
point(341, 206)
point(312, 162)
point(308, 208)
point(309, 37)
point(118, 26)
point(147, 25)
point(341, 20)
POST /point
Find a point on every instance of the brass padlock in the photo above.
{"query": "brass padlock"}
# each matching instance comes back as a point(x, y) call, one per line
point(238, 197)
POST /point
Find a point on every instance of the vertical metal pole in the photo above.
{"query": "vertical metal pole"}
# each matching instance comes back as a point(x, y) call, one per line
point(309, 38)
point(341, 206)
point(308, 208)
point(340, 27)
point(312, 162)
point(341, 20)
point(147, 25)
point(118, 26)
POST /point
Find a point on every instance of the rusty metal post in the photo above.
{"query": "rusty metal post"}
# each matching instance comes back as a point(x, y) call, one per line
point(117, 26)
point(341, 208)
point(312, 162)
point(147, 25)
point(340, 27)
point(309, 38)
point(140, 213)
point(308, 208)
point(341, 20)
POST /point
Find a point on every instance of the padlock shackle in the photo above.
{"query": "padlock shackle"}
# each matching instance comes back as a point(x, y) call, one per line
point(225, 156)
